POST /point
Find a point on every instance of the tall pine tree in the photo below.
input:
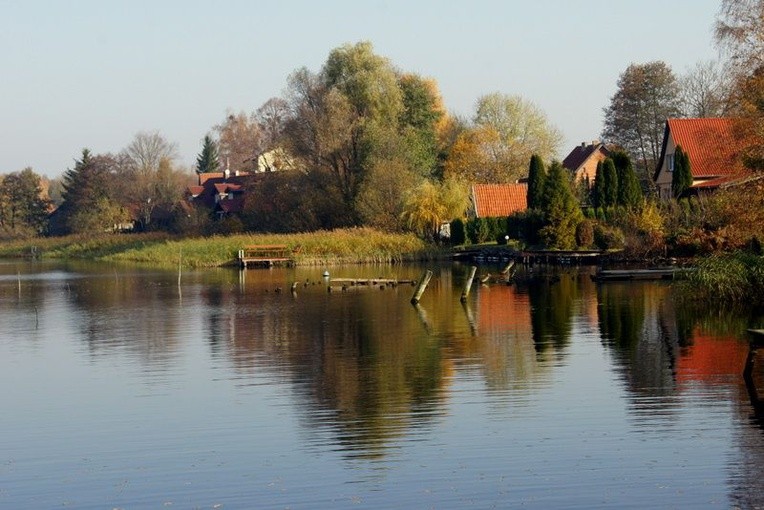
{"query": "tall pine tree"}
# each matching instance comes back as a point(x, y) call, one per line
point(681, 178)
point(536, 178)
point(207, 161)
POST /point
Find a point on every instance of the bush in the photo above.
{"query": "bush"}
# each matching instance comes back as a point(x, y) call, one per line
point(458, 232)
point(525, 226)
point(608, 238)
point(585, 234)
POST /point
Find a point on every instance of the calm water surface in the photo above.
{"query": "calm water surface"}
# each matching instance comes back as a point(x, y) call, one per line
point(122, 389)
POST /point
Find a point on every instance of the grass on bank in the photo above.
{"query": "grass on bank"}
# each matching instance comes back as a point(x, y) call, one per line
point(736, 278)
point(347, 246)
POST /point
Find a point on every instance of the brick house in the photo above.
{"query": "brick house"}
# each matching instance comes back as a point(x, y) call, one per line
point(582, 161)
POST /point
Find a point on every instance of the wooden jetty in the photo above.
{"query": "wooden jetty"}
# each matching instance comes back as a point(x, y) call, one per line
point(370, 281)
point(266, 255)
point(667, 273)
point(561, 257)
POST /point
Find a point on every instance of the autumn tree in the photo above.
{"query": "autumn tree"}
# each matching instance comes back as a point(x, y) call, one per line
point(240, 143)
point(146, 150)
point(704, 91)
point(208, 161)
point(145, 178)
point(562, 213)
point(23, 208)
point(430, 204)
point(739, 32)
point(506, 131)
point(681, 177)
point(536, 178)
point(646, 95)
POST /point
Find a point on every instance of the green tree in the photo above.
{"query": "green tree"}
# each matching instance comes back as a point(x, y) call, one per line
point(598, 190)
point(89, 192)
point(207, 160)
point(629, 191)
point(610, 184)
point(681, 178)
point(536, 177)
point(561, 210)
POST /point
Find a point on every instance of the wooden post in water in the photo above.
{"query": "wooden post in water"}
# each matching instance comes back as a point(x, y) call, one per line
point(468, 285)
point(420, 288)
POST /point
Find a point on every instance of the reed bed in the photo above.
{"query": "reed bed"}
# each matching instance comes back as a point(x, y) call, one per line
point(346, 246)
point(734, 279)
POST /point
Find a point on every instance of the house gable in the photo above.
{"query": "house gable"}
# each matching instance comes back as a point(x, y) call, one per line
point(582, 160)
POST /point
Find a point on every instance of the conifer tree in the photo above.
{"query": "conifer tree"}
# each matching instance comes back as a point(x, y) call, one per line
point(681, 178)
point(207, 161)
point(561, 210)
point(610, 192)
point(598, 191)
point(629, 190)
point(536, 177)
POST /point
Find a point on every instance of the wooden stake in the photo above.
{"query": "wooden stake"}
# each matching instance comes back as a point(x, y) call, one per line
point(420, 288)
point(468, 285)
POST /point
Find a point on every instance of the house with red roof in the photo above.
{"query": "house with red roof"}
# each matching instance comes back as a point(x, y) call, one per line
point(498, 200)
point(220, 192)
point(583, 159)
point(713, 151)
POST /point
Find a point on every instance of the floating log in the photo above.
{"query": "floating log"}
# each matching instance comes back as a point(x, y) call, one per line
point(420, 288)
point(468, 285)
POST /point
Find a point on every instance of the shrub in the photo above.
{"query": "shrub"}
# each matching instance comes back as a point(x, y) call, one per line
point(458, 232)
point(608, 238)
point(585, 234)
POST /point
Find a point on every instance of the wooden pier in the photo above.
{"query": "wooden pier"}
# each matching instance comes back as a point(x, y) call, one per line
point(266, 255)
point(604, 275)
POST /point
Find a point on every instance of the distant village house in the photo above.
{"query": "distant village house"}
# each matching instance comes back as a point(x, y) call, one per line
point(583, 159)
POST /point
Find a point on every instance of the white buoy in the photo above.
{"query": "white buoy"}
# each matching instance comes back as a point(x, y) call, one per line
point(326, 274)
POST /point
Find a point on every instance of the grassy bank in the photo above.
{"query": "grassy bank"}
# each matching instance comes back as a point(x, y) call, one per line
point(348, 246)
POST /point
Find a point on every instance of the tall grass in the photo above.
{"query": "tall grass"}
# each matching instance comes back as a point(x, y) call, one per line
point(735, 278)
point(356, 245)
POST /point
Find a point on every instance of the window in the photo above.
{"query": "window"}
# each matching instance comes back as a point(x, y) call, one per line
point(670, 162)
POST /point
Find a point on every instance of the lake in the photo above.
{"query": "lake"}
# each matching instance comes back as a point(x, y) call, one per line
point(125, 388)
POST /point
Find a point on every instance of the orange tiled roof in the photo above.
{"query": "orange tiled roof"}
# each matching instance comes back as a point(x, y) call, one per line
point(710, 144)
point(495, 200)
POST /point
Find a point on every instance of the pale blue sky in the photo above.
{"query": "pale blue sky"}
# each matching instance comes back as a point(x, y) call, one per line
point(93, 73)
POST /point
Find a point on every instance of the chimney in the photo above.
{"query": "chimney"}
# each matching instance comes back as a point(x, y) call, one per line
point(583, 145)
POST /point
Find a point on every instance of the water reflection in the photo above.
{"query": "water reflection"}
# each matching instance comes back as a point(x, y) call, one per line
point(366, 374)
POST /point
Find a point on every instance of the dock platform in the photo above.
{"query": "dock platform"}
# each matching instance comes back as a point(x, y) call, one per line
point(266, 255)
